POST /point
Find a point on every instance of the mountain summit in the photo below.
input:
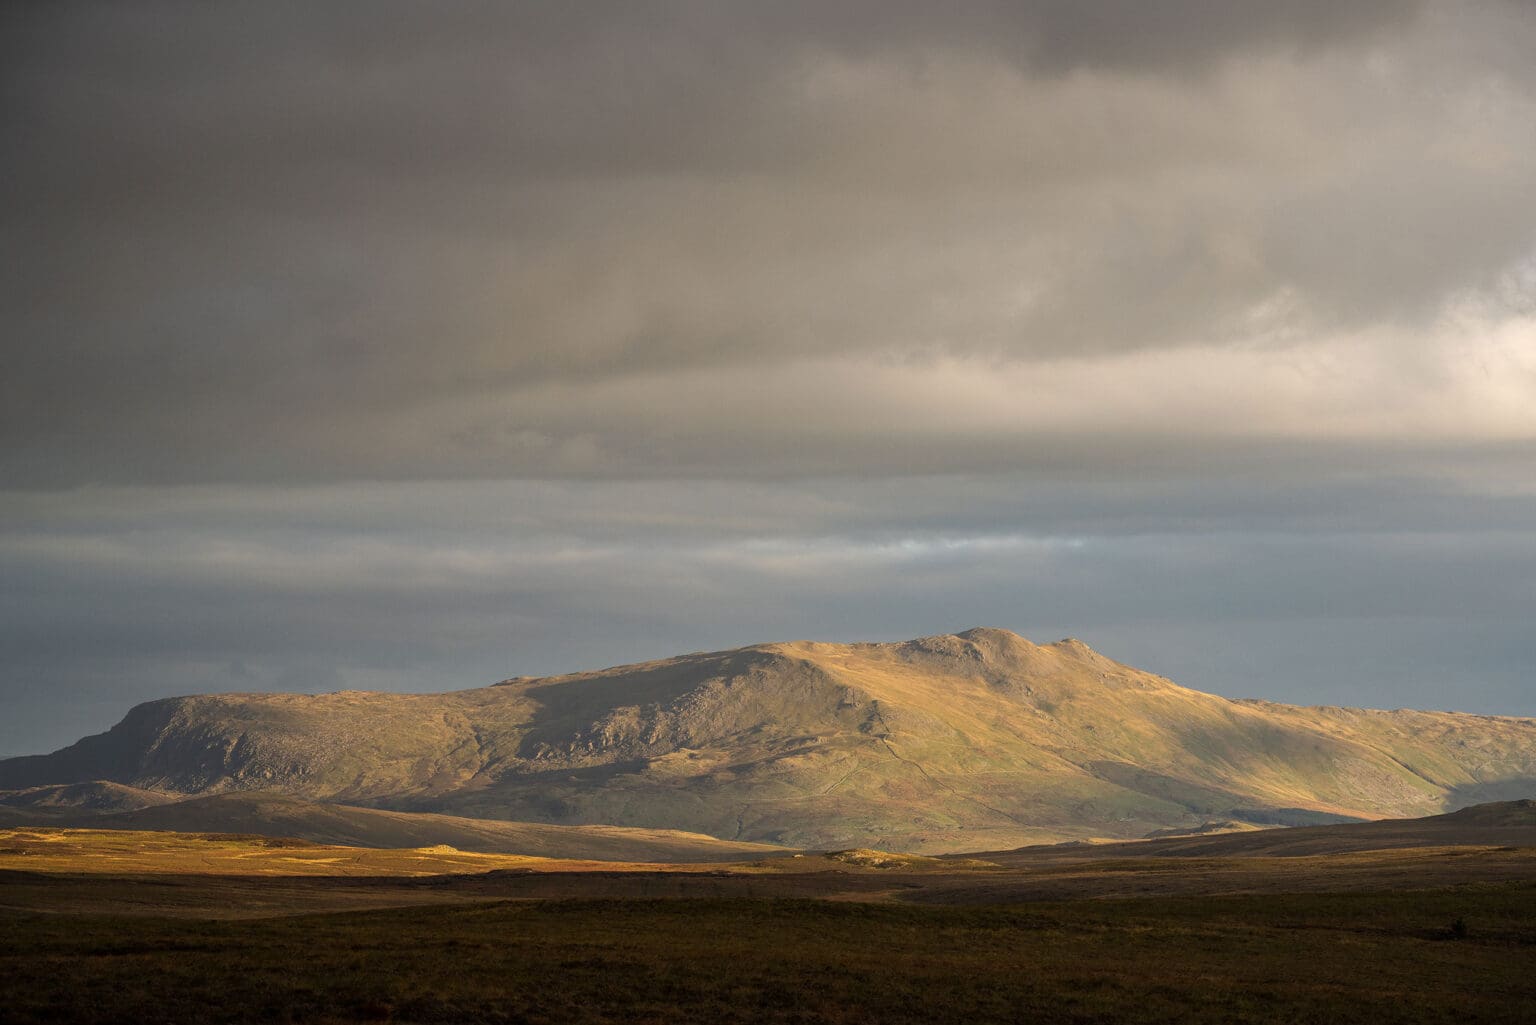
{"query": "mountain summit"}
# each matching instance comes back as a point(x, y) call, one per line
point(964, 741)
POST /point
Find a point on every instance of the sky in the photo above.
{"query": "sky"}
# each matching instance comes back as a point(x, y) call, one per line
point(392, 346)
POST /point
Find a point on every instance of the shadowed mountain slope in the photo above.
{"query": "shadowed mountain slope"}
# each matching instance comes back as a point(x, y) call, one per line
point(93, 796)
point(1496, 824)
point(67, 801)
point(978, 740)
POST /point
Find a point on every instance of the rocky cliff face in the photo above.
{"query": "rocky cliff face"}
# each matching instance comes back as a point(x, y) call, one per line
point(966, 741)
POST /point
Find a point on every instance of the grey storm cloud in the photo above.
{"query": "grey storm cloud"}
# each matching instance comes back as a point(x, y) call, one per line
point(389, 345)
point(606, 240)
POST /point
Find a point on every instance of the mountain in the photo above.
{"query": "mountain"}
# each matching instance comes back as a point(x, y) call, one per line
point(977, 740)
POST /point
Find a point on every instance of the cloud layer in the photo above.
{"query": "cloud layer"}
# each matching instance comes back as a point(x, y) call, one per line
point(363, 343)
point(665, 239)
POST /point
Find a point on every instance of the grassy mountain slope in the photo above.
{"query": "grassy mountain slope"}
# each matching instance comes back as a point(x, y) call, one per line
point(979, 740)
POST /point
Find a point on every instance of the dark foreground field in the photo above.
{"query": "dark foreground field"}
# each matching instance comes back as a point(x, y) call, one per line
point(1457, 954)
point(107, 926)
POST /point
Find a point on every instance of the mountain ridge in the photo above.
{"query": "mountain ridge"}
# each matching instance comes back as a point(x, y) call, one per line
point(975, 740)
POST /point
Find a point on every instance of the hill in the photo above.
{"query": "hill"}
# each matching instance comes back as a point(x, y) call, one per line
point(93, 796)
point(978, 740)
point(1496, 824)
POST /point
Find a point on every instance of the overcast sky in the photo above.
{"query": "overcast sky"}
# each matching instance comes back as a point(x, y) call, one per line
point(410, 347)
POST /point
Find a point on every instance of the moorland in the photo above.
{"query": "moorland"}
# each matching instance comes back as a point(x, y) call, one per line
point(1410, 921)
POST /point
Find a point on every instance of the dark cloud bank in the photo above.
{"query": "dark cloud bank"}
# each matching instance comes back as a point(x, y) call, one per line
point(369, 345)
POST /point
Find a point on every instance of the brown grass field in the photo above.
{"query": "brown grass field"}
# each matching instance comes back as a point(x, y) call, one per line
point(102, 926)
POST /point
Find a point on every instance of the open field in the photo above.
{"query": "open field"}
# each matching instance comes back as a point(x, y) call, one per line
point(50, 849)
point(112, 926)
point(1388, 957)
point(140, 852)
point(223, 875)
point(283, 817)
